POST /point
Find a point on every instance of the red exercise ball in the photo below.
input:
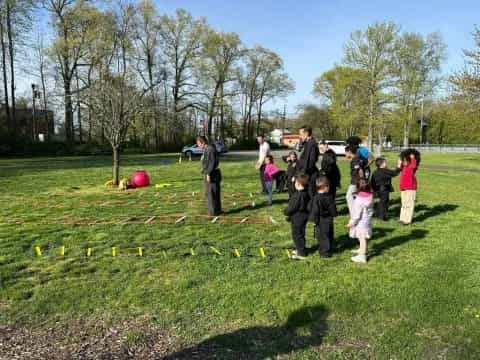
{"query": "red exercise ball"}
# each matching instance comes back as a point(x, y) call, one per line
point(140, 179)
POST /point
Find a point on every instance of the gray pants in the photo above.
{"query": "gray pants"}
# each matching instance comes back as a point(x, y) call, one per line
point(352, 189)
point(212, 192)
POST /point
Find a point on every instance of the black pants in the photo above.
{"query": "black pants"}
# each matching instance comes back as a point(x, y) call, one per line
point(382, 205)
point(280, 179)
point(312, 186)
point(262, 179)
point(324, 235)
point(213, 194)
point(298, 235)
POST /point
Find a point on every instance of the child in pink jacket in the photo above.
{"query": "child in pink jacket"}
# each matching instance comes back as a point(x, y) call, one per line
point(268, 175)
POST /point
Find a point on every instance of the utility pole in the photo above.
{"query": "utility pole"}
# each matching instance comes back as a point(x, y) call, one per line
point(34, 123)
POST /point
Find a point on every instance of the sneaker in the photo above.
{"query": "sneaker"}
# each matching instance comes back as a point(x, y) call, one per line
point(360, 259)
point(298, 257)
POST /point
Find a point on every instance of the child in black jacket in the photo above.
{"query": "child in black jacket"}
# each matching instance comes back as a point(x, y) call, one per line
point(322, 211)
point(293, 169)
point(297, 215)
point(382, 186)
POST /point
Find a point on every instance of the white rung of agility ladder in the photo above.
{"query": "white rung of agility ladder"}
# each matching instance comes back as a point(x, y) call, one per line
point(215, 219)
point(181, 219)
point(244, 220)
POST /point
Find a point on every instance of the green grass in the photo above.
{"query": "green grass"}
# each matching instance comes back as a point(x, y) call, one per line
point(418, 297)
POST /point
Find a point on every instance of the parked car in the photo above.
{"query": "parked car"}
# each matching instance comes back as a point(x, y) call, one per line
point(192, 150)
point(337, 146)
point(221, 147)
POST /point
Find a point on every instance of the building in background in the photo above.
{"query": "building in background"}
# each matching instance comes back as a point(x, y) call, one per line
point(30, 126)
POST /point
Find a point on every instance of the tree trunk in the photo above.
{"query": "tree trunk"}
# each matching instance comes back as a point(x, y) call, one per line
point(116, 165)
point(222, 114)
point(5, 78)
point(211, 111)
point(370, 121)
point(69, 134)
point(79, 110)
point(11, 51)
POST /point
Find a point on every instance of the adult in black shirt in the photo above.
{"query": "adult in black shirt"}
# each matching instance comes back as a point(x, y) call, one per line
point(213, 176)
point(329, 168)
point(309, 157)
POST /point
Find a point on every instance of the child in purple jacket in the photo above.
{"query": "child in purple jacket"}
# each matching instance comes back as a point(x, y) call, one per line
point(360, 223)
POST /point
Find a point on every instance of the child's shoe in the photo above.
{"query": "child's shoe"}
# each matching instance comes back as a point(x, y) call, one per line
point(362, 259)
point(296, 256)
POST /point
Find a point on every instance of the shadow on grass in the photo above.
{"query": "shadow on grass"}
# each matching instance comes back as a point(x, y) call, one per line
point(257, 206)
point(378, 248)
point(429, 212)
point(344, 242)
point(304, 328)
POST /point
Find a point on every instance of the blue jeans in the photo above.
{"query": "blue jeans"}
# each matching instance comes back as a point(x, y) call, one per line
point(269, 186)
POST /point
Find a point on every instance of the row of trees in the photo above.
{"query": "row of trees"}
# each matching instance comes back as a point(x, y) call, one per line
point(389, 85)
point(173, 76)
point(384, 78)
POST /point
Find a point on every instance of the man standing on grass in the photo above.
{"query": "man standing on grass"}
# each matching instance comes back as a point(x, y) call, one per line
point(213, 176)
point(309, 157)
point(263, 152)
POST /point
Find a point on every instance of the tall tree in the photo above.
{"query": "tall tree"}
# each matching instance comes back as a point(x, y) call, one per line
point(75, 23)
point(148, 57)
point(220, 51)
point(417, 63)
point(181, 39)
point(341, 90)
point(372, 51)
point(15, 24)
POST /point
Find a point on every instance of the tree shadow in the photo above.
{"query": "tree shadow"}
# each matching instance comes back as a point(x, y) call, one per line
point(345, 242)
point(432, 211)
point(378, 248)
point(304, 328)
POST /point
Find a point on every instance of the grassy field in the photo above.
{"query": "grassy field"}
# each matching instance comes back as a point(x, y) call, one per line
point(418, 297)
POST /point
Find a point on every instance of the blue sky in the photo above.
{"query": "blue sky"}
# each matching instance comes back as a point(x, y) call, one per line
point(309, 35)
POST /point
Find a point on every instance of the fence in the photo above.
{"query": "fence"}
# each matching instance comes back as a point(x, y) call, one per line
point(454, 148)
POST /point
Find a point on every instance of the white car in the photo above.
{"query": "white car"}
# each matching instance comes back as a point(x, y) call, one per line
point(337, 146)
point(192, 150)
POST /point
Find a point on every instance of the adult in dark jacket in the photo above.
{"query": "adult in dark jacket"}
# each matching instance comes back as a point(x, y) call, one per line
point(309, 157)
point(213, 176)
point(330, 169)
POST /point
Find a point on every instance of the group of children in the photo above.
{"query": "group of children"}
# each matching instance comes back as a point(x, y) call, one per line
point(321, 208)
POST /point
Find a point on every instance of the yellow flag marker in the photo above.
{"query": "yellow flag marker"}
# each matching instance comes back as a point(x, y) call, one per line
point(114, 251)
point(140, 251)
point(190, 158)
point(236, 252)
point(38, 251)
point(192, 252)
point(89, 252)
point(288, 253)
point(62, 250)
point(215, 250)
point(164, 254)
point(180, 159)
point(262, 252)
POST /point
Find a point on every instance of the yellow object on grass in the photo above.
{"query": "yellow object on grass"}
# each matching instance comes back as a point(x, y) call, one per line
point(162, 186)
